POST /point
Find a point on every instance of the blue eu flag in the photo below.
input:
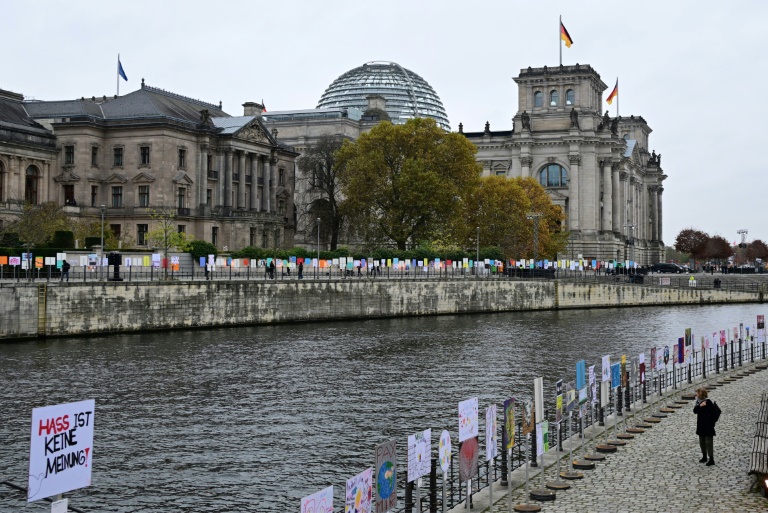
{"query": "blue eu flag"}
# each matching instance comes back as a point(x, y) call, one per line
point(120, 70)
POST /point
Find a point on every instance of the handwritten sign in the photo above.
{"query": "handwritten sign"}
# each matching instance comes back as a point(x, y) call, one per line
point(468, 427)
point(61, 449)
point(320, 502)
point(419, 446)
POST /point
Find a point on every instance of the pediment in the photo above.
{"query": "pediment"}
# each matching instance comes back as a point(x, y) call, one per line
point(556, 195)
point(67, 177)
point(116, 178)
point(143, 177)
point(281, 192)
point(183, 178)
point(254, 132)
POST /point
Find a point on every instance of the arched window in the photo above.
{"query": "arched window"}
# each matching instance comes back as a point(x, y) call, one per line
point(553, 175)
point(538, 99)
point(554, 97)
point(570, 97)
point(30, 185)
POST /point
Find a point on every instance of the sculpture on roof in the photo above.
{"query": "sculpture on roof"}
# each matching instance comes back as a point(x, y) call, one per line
point(655, 159)
point(574, 119)
point(615, 125)
point(525, 118)
point(604, 123)
point(487, 127)
point(205, 118)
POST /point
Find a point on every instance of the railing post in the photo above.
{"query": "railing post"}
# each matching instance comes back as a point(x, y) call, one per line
point(433, 486)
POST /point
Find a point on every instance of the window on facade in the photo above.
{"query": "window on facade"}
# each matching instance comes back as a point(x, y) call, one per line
point(252, 238)
point(143, 195)
point(208, 197)
point(182, 158)
point(94, 195)
point(69, 155)
point(264, 240)
point(277, 238)
point(144, 155)
point(538, 99)
point(209, 158)
point(182, 228)
point(215, 235)
point(117, 196)
point(116, 230)
point(500, 171)
point(141, 234)
point(554, 97)
point(95, 156)
point(281, 207)
point(118, 157)
point(570, 97)
point(182, 197)
point(30, 185)
point(281, 176)
point(69, 195)
point(554, 175)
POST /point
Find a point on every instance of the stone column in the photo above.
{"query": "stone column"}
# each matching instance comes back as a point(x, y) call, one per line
point(267, 194)
point(574, 196)
point(241, 185)
point(654, 213)
point(623, 201)
point(659, 210)
point(230, 161)
point(616, 197)
point(202, 180)
point(252, 170)
point(220, 157)
point(607, 196)
point(273, 186)
point(526, 162)
point(45, 182)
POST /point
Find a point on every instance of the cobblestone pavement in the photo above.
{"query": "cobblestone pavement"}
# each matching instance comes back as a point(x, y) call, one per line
point(659, 471)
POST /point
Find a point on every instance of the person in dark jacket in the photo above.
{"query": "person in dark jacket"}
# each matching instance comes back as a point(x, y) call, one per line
point(707, 413)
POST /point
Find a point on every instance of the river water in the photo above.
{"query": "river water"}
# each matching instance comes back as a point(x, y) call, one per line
point(252, 419)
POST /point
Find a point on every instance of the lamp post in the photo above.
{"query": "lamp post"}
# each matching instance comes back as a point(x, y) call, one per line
point(101, 257)
point(318, 242)
point(477, 258)
point(535, 216)
point(631, 244)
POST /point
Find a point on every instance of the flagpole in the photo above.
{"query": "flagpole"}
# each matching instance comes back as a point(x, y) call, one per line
point(118, 74)
point(560, 38)
point(617, 97)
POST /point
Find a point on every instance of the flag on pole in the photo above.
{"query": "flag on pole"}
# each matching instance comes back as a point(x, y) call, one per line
point(614, 93)
point(120, 70)
point(263, 105)
point(565, 36)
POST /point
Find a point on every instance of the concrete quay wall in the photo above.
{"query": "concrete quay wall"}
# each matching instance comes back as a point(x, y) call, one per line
point(33, 310)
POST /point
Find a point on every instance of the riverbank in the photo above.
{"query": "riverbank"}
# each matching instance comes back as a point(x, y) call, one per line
point(66, 309)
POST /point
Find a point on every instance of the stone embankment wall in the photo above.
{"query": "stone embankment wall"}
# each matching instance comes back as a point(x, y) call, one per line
point(32, 310)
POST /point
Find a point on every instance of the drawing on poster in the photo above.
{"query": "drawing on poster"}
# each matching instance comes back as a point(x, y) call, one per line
point(528, 420)
point(723, 340)
point(583, 395)
point(359, 493)
point(539, 439)
point(444, 450)
point(508, 437)
point(606, 368)
point(386, 476)
point(545, 434)
point(491, 436)
point(615, 375)
point(319, 502)
point(419, 446)
point(581, 370)
point(653, 358)
point(570, 397)
point(468, 452)
point(468, 423)
point(60, 449)
point(666, 355)
point(624, 370)
point(593, 384)
point(559, 408)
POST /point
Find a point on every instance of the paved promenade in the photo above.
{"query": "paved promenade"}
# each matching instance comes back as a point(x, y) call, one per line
point(659, 471)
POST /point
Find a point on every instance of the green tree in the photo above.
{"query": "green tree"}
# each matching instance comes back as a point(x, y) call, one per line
point(165, 235)
point(201, 248)
point(37, 224)
point(405, 184)
point(320, 189)
point(86, 227)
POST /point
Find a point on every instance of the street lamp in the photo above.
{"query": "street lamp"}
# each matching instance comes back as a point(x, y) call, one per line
point(318, 244)
point(535, 216)
point(101, 257)
point(477, 259)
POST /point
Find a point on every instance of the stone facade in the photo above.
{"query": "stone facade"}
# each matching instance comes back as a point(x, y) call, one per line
point(227, 180)
point(599, 169)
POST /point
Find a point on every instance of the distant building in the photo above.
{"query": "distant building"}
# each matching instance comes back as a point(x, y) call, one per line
point(599, 169)
point(227, 179)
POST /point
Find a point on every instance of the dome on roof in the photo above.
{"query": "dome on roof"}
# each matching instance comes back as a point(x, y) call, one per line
point(407, 94)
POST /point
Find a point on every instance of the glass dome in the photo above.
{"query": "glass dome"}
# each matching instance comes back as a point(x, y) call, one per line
point(407, 94)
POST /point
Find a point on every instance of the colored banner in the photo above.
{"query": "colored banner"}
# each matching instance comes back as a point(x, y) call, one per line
point(386, 477)
point(509, 423)
point(581, 371)
point(615, 375)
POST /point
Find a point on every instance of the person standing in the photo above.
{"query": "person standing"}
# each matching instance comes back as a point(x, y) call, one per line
point(707, 414)
point(301, 270)
point(65, 270)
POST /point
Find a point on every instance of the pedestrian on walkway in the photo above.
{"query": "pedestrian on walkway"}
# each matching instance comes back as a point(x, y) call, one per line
point(301, 270)
point(707, 413)
point(65, 270)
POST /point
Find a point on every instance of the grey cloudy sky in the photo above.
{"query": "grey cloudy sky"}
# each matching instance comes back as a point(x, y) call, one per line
point(693, 69)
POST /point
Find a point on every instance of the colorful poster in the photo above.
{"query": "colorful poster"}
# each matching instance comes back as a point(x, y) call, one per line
point(680, 351)
point(676, 348)
point(615, 375)
point(320, 502)
point(559, 401)
point(528, 420)
point(545, 435)
point(624, 370)
point(468, 452)
point(60, 449)
point(359, 493)
point(760, 329)
point(688, 336)
point(570, 397)
point(642, 373)
point(653, 359)
point(604, 393)
point(592, 383)
point(666, 355)
point(538, 397)
point(386, 477)
point(419, 448)
point(583, 395)
point(468, 427)
point(540, 439)
point(444, 451)
point(581, 371)
point(606, 368)
point(723, 340)
point(491, 436)
point(509, 423)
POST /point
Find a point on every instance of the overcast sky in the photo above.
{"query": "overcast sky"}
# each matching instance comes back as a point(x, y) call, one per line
point(693, 69)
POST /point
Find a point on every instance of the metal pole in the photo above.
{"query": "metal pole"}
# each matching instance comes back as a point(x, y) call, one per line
point(477, 259)
point(103, 210)
point(318, 242)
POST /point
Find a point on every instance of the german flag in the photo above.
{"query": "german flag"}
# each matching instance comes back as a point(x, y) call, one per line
point(565, 36)
point(614, 93)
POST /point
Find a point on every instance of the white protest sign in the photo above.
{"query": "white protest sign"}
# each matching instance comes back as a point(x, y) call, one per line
point(61, 449)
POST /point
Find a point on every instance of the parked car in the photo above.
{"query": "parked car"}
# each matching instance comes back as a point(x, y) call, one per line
point(663, 267)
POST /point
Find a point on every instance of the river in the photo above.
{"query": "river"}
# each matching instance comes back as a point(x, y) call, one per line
point(252, 419)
